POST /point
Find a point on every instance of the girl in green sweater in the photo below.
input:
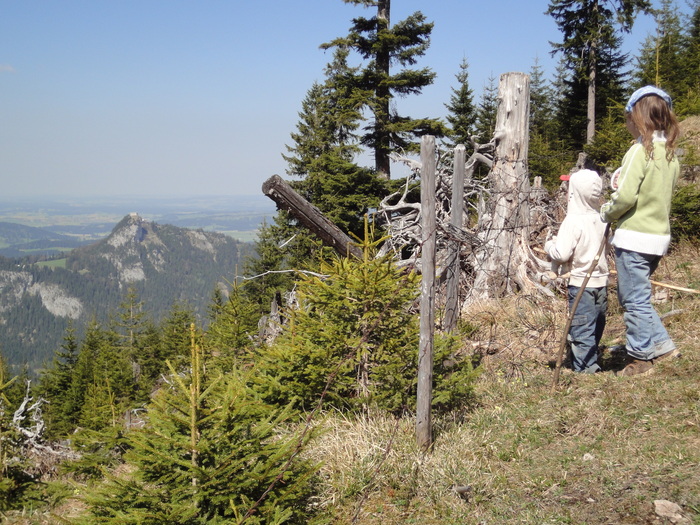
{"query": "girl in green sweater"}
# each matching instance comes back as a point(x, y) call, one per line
point(641, 205)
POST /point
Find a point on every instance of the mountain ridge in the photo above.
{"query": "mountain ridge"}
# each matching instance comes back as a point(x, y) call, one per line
point(164, 264)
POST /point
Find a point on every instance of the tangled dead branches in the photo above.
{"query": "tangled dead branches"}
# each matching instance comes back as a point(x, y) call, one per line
point(400, 213)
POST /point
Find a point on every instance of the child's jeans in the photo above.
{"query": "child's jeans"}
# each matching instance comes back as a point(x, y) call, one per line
point(647, 337)
point(587, 327)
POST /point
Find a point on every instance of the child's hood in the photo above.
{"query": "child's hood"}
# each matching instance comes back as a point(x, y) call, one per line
point(585, 191)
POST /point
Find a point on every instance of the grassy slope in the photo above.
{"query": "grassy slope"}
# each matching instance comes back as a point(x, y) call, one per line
point(600, 449)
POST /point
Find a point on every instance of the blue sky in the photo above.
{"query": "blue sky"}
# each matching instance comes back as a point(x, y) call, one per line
point(173, 97)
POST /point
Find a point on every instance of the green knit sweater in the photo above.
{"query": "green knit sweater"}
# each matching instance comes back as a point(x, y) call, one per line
point(641, 205)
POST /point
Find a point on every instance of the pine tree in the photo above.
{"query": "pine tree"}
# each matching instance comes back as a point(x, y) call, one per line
point(486, 111)
point(670, 58)
point(352, 342)
point(234, 321)
point(689, 103)
point(175, 336)
point(379, 43)
point(461, 111)
point(324, 149)
point(211, 452)
point(590, 47)
point(55, 383)
point(279, 248)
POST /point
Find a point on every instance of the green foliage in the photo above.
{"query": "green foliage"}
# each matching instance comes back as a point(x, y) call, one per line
point(486, 111)
point(351, 325)
point(210, 452)
point(353, 342)
point(611, 142)
point(670, 58)
point(548, 159)
point(590, 49)
point(234, 322)
point(685, 213)
point(375, 86)
point(462, 112)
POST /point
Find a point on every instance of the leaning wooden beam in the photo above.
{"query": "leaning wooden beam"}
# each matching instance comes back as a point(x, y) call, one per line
point(310, 216)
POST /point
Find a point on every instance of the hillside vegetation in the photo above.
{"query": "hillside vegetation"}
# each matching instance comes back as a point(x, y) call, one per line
point(596, 449)
point(601, 449)
point(164, 264)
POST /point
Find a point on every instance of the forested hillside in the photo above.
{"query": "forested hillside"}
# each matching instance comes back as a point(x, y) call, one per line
point(163, 264)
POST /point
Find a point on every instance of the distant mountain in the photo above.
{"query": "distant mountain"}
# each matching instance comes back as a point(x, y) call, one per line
point(163, 263)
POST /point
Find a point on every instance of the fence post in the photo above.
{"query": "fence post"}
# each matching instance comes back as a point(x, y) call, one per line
point(424, 395)
point(453, 261)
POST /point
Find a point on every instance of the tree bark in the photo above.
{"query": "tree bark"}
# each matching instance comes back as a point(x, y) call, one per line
point(424, 395)
point(501, 260)
point(453, 259)
point(382, 150)
point(310, 216)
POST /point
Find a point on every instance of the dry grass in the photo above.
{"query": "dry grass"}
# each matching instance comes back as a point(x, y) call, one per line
point(600, 450)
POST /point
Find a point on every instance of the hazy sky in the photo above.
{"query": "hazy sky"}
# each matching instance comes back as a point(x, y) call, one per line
point(171, 97)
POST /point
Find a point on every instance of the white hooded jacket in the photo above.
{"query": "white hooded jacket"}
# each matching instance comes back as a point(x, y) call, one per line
point(581, 232)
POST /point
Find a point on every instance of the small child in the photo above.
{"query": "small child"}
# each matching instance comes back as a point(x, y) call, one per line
point(577, 244)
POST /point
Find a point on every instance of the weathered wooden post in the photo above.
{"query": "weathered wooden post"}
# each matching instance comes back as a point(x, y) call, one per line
point(503, 255)
point(453, 262)
point(424, 395)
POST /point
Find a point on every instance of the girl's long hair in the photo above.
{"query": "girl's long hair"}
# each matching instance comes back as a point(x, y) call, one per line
point(652, 113)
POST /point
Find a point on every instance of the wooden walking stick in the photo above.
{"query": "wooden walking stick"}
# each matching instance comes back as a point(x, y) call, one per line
point(577, 299)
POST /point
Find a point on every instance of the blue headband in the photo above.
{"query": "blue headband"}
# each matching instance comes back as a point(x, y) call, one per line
point(643, 92)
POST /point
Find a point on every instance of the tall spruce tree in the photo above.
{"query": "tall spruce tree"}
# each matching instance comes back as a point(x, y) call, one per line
point(55, 383)
point(547, 156)
point(670, 57)
point(325, 146)
point(590, 47)
point(461, 110)
point(486, 110)
point(382, 45)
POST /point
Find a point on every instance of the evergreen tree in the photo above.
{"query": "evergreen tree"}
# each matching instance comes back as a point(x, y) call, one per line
point(659, 60)
point(352, 342)
point(548, 156)
point(175, 336)
point(136, 338)
point(55, 383)
point(541, 104)
point(461, 110)
point(670, 58)
point(211, 452)
point(590, 48)
point(279, 248)
point(379, 43)
point(234, 321)
point(486, 111)
point(325, 147)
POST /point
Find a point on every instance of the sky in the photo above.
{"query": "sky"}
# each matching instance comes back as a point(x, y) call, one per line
point(177, 98)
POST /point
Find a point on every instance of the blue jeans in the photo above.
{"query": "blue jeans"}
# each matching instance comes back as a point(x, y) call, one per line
point(647, 337)
point(587, 327)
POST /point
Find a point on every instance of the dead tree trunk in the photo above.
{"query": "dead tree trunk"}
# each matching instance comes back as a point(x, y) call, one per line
point(453, 259)
point(310, 216)
point(501, 260)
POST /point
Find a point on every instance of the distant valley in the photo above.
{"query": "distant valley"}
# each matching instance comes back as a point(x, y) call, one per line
point(58, 224)
point(66, 263)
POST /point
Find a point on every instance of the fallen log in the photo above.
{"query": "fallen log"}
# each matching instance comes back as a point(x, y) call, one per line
point(310, 216)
